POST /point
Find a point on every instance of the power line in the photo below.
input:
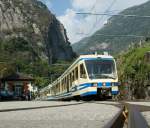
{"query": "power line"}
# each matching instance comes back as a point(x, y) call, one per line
point(114, 11)
point(112, 35)
point(94, 5)
point(91, 10)
point(106, 11)
point(102, 18)
point(108, 14)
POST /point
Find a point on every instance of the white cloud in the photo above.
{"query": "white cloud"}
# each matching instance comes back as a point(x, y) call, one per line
point(71, 23)
point(88, 24)
point(83, 4)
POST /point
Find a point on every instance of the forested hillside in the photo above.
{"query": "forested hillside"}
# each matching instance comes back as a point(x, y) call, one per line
point(31, 39)
point(134, 71)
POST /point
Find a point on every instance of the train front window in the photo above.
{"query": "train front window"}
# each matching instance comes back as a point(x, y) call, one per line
point(101, 69)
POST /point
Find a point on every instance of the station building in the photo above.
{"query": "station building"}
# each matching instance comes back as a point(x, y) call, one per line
point(16, 86)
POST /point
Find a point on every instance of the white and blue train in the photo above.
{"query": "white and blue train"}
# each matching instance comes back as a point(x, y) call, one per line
point(90, 76)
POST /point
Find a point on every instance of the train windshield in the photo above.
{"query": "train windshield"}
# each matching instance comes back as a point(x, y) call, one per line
point(101, 69)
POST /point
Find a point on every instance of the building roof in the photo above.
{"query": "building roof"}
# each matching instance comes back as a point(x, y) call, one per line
point(17, 77)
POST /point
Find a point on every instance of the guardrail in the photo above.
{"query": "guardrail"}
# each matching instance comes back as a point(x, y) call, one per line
point(129, 116)
point(135, 118)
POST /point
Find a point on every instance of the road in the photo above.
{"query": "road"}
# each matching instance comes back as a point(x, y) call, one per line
point(56, 114)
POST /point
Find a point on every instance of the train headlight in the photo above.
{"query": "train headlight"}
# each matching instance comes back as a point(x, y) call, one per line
point(112, 84)
point(104, 84)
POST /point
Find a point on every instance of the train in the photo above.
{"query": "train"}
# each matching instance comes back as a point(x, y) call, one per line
point(89, 77)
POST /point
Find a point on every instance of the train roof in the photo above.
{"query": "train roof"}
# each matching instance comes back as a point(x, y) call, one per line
point(94, 56)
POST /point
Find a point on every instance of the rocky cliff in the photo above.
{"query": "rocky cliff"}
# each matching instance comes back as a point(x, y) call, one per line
point(32, 22)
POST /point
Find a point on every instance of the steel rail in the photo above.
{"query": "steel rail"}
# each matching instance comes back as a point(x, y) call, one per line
point(39, 107)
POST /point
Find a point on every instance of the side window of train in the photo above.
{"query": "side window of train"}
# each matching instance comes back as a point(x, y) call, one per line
point(73, 77)
point(82, 72)
point(76, 73)
point(59, 87)
point(70, 77)
point(63, 85)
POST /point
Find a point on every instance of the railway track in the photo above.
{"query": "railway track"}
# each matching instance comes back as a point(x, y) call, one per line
point(39, 107)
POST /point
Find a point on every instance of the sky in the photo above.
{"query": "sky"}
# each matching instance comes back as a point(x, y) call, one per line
point(80, 26)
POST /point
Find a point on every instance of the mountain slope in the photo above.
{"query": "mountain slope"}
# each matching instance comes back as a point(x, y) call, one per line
point(31, 39)
point(118, 25)
point(32, 22)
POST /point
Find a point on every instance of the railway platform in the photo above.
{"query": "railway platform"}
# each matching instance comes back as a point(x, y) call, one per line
point(64, 114)
point(44, 114)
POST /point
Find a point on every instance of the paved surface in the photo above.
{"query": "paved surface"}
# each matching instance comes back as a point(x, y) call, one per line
point(140, 103)
point(85, 115)
point(109, 102)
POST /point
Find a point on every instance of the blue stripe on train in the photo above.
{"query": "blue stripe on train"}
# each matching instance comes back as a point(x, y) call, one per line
point(100, 84)
point(82, 86)
point(114, 92)
point(89, 93)
point(107, 84)
point(86, 85)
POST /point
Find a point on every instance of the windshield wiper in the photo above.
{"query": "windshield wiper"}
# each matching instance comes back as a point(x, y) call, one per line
point(94, 76)
point(108, 76)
